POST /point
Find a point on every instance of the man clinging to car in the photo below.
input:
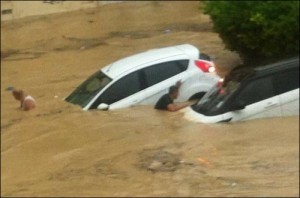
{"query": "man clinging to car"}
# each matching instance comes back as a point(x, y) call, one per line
point(166, 102)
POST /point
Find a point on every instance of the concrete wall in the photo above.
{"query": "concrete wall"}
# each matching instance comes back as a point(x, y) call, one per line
point(19, 9)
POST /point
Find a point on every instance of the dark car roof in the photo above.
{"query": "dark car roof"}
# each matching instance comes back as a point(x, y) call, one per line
point(278, 66)
point(243, 74)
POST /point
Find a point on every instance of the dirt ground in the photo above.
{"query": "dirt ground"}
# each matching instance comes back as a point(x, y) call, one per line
point(59, 150)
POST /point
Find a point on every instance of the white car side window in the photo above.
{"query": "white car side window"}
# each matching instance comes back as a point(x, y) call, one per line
point(157, 73)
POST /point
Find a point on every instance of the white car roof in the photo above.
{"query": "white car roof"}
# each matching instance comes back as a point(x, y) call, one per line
point(137, 61)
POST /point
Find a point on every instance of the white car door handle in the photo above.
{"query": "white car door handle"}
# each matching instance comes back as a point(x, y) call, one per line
point(136, 101)
point(271, 104)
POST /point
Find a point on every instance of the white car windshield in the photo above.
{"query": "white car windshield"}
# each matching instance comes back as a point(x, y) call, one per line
point(89, 89)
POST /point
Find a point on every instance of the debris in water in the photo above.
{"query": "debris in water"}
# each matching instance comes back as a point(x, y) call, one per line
point(204, 161)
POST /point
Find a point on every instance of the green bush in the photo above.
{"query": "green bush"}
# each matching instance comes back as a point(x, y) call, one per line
point(259, 31)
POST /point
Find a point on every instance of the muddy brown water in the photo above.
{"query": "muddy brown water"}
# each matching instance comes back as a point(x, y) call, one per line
point(59, 150)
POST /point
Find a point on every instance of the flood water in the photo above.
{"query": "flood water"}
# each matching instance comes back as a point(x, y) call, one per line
point(59, 150)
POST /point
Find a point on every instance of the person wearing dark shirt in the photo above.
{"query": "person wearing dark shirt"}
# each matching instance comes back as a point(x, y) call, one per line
point(166, 102)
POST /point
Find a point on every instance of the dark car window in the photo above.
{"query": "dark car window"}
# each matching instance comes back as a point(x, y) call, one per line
point(160, 72)
point(256, 91)
point(215, 101)
point(287, 81)
point(204, 57)
point(121, 89)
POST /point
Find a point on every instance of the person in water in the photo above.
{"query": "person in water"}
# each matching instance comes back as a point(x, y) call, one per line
point(166, 102)
point(27, 102)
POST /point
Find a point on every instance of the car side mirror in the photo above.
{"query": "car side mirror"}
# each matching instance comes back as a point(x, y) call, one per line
point(238, 105)
point(103, 106)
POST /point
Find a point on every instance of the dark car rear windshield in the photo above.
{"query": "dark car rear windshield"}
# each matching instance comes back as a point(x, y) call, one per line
point(89, 89)
point(213, 101)
point(204, 57)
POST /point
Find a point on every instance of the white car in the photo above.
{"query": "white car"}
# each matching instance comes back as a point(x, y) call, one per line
point(143, 78)
point(271, 91)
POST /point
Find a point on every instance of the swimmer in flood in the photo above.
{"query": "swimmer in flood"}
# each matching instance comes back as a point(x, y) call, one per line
point(27, 102)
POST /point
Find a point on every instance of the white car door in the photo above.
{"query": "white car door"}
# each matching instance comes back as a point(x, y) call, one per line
point(290, 103)
point(266, 108)
point(129, 101)
point(258, 99)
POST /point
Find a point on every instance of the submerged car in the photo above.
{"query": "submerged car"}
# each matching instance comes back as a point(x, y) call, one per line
point(270, 91)
point(143, 78)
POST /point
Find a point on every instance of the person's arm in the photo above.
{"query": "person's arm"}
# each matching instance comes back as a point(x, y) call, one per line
point(178, 84)
point(178, 106)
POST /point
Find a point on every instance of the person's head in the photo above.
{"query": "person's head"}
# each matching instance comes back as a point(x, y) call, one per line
point(173, 92)
point(18, 94)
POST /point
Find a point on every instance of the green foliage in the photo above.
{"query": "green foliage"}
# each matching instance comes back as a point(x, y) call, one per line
point(260, 31)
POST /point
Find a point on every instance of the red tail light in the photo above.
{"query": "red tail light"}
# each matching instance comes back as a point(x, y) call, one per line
point(219, 85)
point(204, 66)
point(220, 82)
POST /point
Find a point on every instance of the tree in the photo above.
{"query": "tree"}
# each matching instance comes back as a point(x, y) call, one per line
point(260, 31)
